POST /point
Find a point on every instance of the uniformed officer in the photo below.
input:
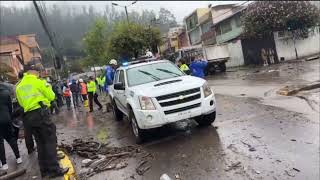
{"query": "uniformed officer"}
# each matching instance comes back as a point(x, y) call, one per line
point(34, 96)
point(93, 96)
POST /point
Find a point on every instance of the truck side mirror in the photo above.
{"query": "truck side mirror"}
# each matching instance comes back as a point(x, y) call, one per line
point(119, 86)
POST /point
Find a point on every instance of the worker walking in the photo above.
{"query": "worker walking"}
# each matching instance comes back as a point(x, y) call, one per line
point(67, 95)
point(34, 97)
point(110, 70)
point(98, 83)
point(198, 67)
point(93, 96)
point(84, 93)
point(6, 128)
point(74, 87)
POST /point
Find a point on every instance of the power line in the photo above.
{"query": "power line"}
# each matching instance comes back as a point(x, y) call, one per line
point(47, 31)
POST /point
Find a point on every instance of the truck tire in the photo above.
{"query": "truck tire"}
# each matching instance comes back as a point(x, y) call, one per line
point(117, 114)
point(138, 133)
point(212, 70)
point(222, 67)
point(206, 120)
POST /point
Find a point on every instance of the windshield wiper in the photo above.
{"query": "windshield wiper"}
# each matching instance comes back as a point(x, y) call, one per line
point(151, 75)
point(167, 71)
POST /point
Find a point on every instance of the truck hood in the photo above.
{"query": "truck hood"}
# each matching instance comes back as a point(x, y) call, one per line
point(167, 86)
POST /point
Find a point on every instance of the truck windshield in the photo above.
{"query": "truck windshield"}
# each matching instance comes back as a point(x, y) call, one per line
point(152, 72)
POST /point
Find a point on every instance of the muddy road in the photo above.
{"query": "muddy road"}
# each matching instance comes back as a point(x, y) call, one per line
point(258, 134)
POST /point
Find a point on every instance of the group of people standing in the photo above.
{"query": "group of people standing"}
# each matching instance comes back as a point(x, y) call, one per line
point(196, 68)
point(36, 98)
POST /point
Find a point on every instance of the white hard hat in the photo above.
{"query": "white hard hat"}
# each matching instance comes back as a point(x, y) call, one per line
point(113, 62)
point(80, 80)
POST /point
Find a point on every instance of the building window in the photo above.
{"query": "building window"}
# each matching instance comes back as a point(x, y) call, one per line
point(238, 21)
point(192, 22)
point(195, 36)
point(224, 27)
point(206, 27)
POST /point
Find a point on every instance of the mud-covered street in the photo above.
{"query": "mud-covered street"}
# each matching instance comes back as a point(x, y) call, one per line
point(258, 134)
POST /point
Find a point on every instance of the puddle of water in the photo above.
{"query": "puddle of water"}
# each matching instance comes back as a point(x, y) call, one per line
point(89, 121)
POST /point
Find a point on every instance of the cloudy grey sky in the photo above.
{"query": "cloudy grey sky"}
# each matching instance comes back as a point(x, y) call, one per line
point(179, 8)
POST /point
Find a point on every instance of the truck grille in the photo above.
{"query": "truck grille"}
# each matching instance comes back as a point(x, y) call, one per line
point(177, 94)
point(182, 109)
point(180, 101)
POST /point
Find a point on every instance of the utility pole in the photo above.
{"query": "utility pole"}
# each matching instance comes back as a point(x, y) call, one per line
point(46, 29)
point(125, 8)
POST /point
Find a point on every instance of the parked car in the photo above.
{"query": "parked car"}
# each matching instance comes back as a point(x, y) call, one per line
point(154, 93)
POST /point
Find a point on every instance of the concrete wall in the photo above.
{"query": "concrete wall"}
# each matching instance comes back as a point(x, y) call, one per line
point(235, 53)
point(305, 47)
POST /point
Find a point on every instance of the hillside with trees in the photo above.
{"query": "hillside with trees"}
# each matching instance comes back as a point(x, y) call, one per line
point(71, 23)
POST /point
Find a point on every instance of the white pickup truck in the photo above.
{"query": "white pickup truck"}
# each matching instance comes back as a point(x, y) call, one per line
point(154, 93)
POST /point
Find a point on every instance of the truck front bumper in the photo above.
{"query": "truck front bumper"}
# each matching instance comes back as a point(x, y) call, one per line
point(148, 119)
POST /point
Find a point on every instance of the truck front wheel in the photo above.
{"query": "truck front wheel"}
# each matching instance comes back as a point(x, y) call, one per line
point(138, 133)
point(117, 114)
point(206, 120)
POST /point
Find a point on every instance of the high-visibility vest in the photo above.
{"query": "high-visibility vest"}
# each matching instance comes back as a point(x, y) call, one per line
point(184, 67)
point(91, 86)
point(102, 81)
point(83, 89)
point(31, 90)
point(67, 92)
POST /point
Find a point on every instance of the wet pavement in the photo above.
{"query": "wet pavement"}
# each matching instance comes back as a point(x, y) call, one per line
point(257, 134)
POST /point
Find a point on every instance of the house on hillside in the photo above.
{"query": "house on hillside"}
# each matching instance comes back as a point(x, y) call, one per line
point(10, 65)
point(24, 46)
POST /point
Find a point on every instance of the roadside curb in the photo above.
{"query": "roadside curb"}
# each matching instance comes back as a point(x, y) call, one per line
point(289, 91)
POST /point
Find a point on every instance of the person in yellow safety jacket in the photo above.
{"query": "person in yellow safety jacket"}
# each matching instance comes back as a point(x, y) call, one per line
point(98, 82)
point(183, 66)
point(92, 95)
point(102, 81)
point(34, 97)
point(84, 93)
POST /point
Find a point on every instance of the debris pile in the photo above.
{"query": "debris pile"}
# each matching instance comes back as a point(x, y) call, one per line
point(101, 157)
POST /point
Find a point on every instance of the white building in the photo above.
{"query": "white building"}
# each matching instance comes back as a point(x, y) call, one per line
point(285, 45)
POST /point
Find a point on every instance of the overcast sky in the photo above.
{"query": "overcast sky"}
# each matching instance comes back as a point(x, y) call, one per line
point(179, 8)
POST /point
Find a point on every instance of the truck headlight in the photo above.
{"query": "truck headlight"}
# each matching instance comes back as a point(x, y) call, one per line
point(206, 90)
point(146, 103)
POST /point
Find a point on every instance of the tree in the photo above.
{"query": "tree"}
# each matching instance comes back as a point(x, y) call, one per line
point(262, 18)
point(95, 42)
point(126, 40)
point(129, 40)
point(166, 20)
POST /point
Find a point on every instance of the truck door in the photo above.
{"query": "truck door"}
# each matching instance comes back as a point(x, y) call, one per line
point(120, 96)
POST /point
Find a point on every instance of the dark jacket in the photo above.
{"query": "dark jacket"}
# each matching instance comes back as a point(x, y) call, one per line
point(5, 105)
point(74, 87)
